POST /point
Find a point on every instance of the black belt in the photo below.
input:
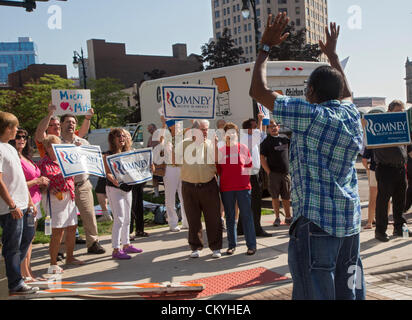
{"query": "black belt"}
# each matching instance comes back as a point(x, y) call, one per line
point(198, 185)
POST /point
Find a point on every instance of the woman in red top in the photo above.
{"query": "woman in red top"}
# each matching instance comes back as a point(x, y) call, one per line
point(59, 204)
point(233, 167)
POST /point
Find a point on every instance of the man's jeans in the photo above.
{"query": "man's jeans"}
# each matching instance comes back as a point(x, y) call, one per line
point(243, 199)
point(324, 267)
point(17, 237)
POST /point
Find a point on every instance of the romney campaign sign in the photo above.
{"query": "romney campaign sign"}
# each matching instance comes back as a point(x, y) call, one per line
point(188, 101)
point(131, 167)
point(386, 129)
point(74, 160)
point(76, 102)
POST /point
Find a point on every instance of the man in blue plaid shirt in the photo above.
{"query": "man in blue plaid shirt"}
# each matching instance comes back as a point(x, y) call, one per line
point(324, 246)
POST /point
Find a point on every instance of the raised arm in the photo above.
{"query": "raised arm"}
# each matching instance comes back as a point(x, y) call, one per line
point(329, 49)
point(40, 133)
point(273, 36)
point(84, 129)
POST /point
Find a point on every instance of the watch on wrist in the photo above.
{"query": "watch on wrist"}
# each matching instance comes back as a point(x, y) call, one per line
point(265, 48)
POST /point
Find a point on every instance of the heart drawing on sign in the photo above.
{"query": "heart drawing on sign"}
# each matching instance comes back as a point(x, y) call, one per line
point(64, 105)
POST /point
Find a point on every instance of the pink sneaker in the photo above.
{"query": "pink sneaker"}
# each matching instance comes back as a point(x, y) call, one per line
point(121, 255)
point(131, 249)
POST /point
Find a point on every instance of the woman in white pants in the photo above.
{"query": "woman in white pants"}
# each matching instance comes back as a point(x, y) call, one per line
point(173, 183)
point(120, 199)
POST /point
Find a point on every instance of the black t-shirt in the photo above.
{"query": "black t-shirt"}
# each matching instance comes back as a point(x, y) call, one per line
point(392, 156)
point(276, 151)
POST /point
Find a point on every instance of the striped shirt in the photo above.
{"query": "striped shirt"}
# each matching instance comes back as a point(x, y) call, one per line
point(326, 141)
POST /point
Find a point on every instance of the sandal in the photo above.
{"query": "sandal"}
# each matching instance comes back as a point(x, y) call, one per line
point(142, 234)
point(28, 279)
point(230, 251)
point(368, 227)
point(250, 252)
point(54, 269)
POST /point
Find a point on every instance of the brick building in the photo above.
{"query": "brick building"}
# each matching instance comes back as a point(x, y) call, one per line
point(35, 72)
point(110, 60)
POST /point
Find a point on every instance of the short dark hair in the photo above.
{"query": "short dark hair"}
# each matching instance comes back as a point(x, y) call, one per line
point(396, 103)
point(63, 117)
point(247, 124)
point(327, 83)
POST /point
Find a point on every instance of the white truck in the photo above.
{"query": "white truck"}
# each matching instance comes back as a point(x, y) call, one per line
point(233, 102)
point(99, 137)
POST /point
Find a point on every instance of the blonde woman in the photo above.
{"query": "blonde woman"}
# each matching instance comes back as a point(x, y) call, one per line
point(120, 199)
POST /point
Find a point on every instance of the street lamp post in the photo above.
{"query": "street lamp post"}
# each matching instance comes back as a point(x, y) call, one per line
point(77, 59)
point(246, 14)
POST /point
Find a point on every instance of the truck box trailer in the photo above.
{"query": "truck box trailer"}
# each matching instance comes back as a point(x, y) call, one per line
point(233, 101)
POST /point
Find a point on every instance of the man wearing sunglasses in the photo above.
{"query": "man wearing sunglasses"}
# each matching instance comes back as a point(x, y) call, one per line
point(51, 125)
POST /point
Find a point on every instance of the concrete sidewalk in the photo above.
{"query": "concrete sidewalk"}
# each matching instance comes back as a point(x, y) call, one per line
point(166, 258)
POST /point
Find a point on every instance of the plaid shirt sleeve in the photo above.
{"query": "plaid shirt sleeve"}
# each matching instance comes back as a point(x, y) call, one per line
point(294, 113)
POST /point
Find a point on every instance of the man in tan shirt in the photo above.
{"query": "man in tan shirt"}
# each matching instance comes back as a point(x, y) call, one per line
point(200, 191)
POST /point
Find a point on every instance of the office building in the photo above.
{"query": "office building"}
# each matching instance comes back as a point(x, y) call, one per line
point(309, 14)
point(15, 56)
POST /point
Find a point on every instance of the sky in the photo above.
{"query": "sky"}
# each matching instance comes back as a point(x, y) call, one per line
point(377, 35)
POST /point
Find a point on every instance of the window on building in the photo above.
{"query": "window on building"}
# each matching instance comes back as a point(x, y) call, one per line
point(217, 14)
point(217, 24)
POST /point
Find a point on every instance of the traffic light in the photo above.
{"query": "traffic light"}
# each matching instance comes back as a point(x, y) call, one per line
point(30, 5)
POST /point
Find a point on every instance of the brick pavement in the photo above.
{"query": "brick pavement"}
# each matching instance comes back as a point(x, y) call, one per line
point(285, 293)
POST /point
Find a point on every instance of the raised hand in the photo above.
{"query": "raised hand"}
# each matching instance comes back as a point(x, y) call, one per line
point(329, 49)
point(273, 34)
point(52, 108)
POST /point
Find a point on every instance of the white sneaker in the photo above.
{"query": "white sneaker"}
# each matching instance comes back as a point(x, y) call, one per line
point(194, 254)
point(175, 229)
point(216, 254)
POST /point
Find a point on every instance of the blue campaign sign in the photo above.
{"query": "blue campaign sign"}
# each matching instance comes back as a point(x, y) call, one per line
point(387, 129)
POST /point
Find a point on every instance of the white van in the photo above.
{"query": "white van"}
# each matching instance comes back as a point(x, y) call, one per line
point(233, 102)
point(99, 137)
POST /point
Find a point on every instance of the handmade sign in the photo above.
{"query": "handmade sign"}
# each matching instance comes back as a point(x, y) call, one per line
point(386, 129)
point(76, 102)
point(188, 102)
point(266, 112)
point(132, 167)
point(74, 160)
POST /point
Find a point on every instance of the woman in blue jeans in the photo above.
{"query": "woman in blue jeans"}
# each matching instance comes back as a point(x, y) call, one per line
point(233, 167)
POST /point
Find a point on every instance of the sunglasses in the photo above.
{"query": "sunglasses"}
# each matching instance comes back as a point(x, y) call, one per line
point(18, 137)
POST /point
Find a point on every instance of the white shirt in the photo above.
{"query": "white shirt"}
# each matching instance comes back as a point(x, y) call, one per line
point(256, 138)
point(13, 178)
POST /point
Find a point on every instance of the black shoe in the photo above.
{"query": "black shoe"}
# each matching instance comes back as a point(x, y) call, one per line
point(80, 240)
point(60, 256)
point(264, 234)
point(381, 237)
point(96, 248)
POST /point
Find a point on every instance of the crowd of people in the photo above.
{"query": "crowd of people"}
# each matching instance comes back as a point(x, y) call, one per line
point(225, 183)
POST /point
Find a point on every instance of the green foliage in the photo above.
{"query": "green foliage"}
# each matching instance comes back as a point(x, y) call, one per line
point(222, 53)
point(30, 105)
point(295, 47)
point(108, 102)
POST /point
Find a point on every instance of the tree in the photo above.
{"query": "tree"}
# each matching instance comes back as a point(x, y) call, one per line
point(222, 53)
point(108, 102)
point(295, 47)
point(30, 105)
